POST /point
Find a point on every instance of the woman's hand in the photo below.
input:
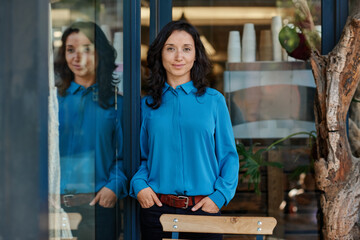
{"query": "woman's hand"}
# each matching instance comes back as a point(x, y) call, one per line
point(147, 198)
point(207, 205)
point(105, 197)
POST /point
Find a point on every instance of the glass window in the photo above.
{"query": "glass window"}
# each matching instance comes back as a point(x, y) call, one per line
point(86, 175)
point(260, 52)
point(145, 41)
point(354, 110)
point(352, 6)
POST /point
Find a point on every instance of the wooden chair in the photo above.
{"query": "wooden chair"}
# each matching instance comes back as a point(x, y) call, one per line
point(258, 226)
point(74, 221)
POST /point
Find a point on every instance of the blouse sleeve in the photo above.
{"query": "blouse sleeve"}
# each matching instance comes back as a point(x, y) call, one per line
point(117, 180)
point(139, 180)
point(228, 159)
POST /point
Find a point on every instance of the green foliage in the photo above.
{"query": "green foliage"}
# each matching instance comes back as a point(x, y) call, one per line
point(355, 100)
point(309, 167)
point(302, 169)
point(252, 161)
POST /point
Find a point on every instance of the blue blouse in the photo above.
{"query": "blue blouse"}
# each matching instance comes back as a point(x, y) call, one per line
point(90, 137)
point(188, 146)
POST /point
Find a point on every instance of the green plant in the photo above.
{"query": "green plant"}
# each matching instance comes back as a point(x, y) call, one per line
point(300, 37)
point(251, 161)
point(355, 100)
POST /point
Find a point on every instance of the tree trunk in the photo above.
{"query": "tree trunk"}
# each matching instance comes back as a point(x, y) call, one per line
point(337, 171)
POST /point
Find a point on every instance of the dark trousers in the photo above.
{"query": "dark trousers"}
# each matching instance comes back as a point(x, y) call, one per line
point(151, 228)
point(98, 223)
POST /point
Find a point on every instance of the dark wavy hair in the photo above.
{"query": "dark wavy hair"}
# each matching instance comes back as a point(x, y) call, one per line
point(105, 56)
point(157, 78)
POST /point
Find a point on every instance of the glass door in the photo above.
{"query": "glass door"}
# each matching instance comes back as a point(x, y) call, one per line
point(260, 64)
point(87, 178)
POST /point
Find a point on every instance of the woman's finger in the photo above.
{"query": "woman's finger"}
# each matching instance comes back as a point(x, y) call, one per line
point(156, 199)
point(198, 205)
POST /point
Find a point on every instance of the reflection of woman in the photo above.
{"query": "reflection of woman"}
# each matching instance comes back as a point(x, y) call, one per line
point(190, 162)
point(90, 130)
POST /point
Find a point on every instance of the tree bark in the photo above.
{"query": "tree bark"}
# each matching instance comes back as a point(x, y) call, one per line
point(337, 171)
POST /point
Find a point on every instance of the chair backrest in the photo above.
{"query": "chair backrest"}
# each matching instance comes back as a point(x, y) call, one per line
point(218, 224)
point(74, 219)
point(61, 224)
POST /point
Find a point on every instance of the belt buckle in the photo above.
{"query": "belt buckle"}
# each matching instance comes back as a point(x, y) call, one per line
point(66, 199)
point(186, 201)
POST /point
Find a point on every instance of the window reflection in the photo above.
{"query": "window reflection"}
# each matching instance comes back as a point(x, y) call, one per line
point(354, 110)
point(90, 130)
point(88, 181)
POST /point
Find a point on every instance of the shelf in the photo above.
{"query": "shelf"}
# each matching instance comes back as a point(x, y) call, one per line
point(268, 66)
point(247, 75)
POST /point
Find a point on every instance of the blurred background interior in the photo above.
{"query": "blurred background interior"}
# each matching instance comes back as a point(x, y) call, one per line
point(269, 93)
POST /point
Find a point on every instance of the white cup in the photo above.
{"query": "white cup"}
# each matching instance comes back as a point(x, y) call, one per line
point(265, 46)
point(107, 31)
point(234, 47)
point(119, 72)
point(249, 43)
point(118, 45)
point(318, 29)
point(276, 25)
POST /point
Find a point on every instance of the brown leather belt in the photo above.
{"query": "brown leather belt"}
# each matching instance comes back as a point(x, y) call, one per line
point(179, 201)
point(73, 200)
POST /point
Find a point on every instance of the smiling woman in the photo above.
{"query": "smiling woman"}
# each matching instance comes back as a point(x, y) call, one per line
point(178, 57)
point(80, 58)
point(190, 164)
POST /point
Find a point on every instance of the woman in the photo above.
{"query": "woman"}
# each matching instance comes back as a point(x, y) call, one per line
point(190, 164)
point(90, 130)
